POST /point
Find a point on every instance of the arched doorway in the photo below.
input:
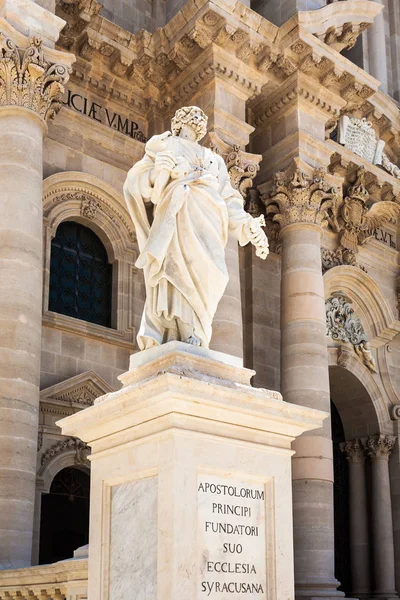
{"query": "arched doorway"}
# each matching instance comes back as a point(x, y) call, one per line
point(64, 521)
point(354, 415)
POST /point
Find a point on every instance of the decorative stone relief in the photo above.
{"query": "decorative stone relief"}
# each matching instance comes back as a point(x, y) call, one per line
point(82, 389)
point(242, 166)
point(27, 79)
point(300, 198)
point(82, 451)
point(343, 325)
point(91, 205)
point(358, 135)
point(354, 450)
point(354, 222)
point(89, 208)
point(380, 446)
point(340, 256)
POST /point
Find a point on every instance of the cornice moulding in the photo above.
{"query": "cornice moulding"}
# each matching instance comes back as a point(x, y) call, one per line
point(23, 42)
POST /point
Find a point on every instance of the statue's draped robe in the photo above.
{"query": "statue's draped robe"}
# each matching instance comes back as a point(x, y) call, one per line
point(183, 251)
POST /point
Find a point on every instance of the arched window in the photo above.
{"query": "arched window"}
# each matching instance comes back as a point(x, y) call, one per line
point(64, 520)
point(80, 275)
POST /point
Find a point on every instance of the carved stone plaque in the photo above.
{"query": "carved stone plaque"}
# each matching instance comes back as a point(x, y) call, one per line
point(231, 539)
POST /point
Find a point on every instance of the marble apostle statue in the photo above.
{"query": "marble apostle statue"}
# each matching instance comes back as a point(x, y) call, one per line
point(182, 251)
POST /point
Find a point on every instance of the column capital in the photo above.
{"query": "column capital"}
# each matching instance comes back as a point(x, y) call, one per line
point(300, 197)
point(354, 450)
point(380, 446)
point(29, 78)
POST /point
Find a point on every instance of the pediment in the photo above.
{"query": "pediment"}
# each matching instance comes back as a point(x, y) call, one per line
point(81, 389)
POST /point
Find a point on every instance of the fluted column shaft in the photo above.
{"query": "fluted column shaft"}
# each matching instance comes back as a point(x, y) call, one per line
point(379, 448)
point(297, 201)
point(32, 93)
point(359, 545)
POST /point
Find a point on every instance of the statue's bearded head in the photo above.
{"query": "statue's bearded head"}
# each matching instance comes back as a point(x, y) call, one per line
point(190, 116)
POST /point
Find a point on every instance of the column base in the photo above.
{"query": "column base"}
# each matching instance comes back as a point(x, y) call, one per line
point(319, 591)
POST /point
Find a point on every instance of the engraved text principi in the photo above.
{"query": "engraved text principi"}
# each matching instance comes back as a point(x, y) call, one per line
point(231, 527)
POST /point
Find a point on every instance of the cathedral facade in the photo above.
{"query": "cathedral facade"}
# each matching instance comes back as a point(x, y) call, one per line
point(302, 98)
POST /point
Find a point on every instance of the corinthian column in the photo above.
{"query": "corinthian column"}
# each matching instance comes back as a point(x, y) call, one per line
point(299, 203)
point(359, 549)
point(379, 448)
point(31, 87)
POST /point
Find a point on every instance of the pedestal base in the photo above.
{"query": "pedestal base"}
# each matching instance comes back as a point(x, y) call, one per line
point(191, 481)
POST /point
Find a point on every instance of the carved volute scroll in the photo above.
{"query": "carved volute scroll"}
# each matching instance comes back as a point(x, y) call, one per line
point(301, 198)
point(29, 80)
point(343, 325)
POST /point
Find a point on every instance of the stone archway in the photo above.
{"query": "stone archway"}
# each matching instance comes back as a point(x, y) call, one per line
point(361, 451)
point(353, 416)
point(64, 522)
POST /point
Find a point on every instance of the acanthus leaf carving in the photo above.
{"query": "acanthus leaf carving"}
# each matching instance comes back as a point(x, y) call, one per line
point(354, 450)
point(343, 325)
point(380, 446)
point(29, 80)
point(301, 198)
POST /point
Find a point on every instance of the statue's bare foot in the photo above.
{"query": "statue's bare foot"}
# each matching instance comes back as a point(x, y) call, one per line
point(193, 341)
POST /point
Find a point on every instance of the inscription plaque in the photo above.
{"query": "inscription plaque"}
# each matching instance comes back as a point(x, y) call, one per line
point(231, 539)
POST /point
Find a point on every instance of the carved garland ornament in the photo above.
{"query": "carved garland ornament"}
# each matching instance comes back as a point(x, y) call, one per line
point(27, 79)
point(82, 451)
point(343, 325)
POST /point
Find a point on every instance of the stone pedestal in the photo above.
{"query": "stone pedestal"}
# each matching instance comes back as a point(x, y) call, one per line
point(191, 481)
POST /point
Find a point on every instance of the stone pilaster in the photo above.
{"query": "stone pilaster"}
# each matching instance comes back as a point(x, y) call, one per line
point(379, 448)
point(359, 544)
point(31, 87)
point(300, 203)
point(227, 325)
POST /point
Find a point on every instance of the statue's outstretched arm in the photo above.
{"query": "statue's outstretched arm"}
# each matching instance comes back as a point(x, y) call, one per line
point(242, 226)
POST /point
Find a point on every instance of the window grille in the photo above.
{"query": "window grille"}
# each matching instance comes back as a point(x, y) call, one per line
point(80, 275)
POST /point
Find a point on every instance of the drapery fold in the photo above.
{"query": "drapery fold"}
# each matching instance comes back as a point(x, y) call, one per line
point(182, 253)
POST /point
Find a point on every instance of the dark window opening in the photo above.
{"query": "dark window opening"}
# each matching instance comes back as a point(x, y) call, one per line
point(80, 275)
point(64, 518)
